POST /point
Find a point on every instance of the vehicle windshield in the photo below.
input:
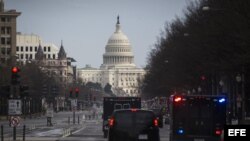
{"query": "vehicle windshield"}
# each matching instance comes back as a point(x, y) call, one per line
point(133, 120)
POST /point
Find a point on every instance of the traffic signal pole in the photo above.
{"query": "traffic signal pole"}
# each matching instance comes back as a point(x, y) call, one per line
point(74, 101)
point(15, 82)
point(74, 115)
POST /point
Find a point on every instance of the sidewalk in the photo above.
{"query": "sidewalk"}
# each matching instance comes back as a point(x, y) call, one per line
point(61, 128)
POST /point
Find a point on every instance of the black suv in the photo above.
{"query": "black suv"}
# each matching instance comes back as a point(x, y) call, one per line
point(133, 125)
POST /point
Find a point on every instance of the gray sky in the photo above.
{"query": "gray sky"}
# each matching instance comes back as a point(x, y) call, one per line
point(86, 25)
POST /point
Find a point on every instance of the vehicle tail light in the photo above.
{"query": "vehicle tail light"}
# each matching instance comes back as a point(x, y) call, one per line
point(111, 122)
point(218, 132)
point(133, 110)
point(177, 99)
point(156, 123)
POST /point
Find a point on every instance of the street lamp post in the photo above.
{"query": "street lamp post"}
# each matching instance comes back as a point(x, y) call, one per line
point(238, 97)
point(221, 83)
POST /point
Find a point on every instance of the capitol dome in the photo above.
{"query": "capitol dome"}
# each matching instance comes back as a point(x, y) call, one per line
point(118, 51)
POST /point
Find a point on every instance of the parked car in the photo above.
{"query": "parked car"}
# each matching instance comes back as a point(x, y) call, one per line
point(133, 125)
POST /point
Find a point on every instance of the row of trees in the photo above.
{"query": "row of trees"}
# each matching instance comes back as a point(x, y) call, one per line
point(41, 85)
point(34, 78)
point(210, 41)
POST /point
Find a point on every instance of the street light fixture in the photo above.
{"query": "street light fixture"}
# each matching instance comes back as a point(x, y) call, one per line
point(199, 89)
point(193, 91)
point(221, 83)
point(238, 78)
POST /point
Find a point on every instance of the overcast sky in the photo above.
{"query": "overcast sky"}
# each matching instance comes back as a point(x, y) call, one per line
point(86, 25)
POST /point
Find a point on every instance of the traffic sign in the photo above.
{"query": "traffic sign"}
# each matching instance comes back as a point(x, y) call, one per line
point(74, 104)
point(15, 107)
point(49, 112)
point(14, 121)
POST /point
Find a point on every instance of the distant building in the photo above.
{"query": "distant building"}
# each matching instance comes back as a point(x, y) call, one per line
point(52, 59)
point(7, 34)
point(118, 68)
point(27, 47)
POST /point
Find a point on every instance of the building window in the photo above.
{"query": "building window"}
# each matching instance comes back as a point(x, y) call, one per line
point(48, 56)
point(35, 49)
point(3, 41)
point(26, 56)
point(21, 48)
point(3, 60)
point(27, 49)
point(8, 30)
point(54, 56)
point(3, 19)
point(44, 49)
point(49, 49)
point(17, 48)
point(21, 56)
point(30, 56)
point(8, 40)
point(31, 49)
point(8, 51)
point(3, 50)
point(8, 19)
point(2, 30)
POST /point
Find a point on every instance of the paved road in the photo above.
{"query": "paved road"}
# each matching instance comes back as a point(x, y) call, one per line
point(92, 131)
point(86, 130)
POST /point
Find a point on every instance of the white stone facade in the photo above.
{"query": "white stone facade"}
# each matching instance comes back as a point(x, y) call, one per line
point(27, 46)
point(118, 68)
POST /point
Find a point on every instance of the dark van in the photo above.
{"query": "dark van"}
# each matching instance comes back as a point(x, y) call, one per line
point(133, 125)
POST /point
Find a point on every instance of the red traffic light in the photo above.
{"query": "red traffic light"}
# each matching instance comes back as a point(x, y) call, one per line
point(77, 90)
point(15, 70)
point(203, 77)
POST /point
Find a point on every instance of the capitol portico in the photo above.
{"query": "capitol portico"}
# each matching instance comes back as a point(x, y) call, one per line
point(118, 68)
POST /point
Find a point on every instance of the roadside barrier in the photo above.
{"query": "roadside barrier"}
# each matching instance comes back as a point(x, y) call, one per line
point(66, 132)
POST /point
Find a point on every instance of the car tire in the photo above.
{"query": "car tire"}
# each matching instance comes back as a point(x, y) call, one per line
point(170, 137)
point(105, 134)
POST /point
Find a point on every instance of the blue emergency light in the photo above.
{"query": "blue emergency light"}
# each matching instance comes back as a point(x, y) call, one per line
point(180, 131)
point(222, 100)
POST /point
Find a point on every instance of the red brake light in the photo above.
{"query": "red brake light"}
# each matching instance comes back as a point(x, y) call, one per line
point(177, 99)
point(218, 132)
point(133, 110)
point(156, 122)
point(111, 122)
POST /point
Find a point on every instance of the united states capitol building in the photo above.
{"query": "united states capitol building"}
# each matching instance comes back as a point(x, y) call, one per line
point(118, 68)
